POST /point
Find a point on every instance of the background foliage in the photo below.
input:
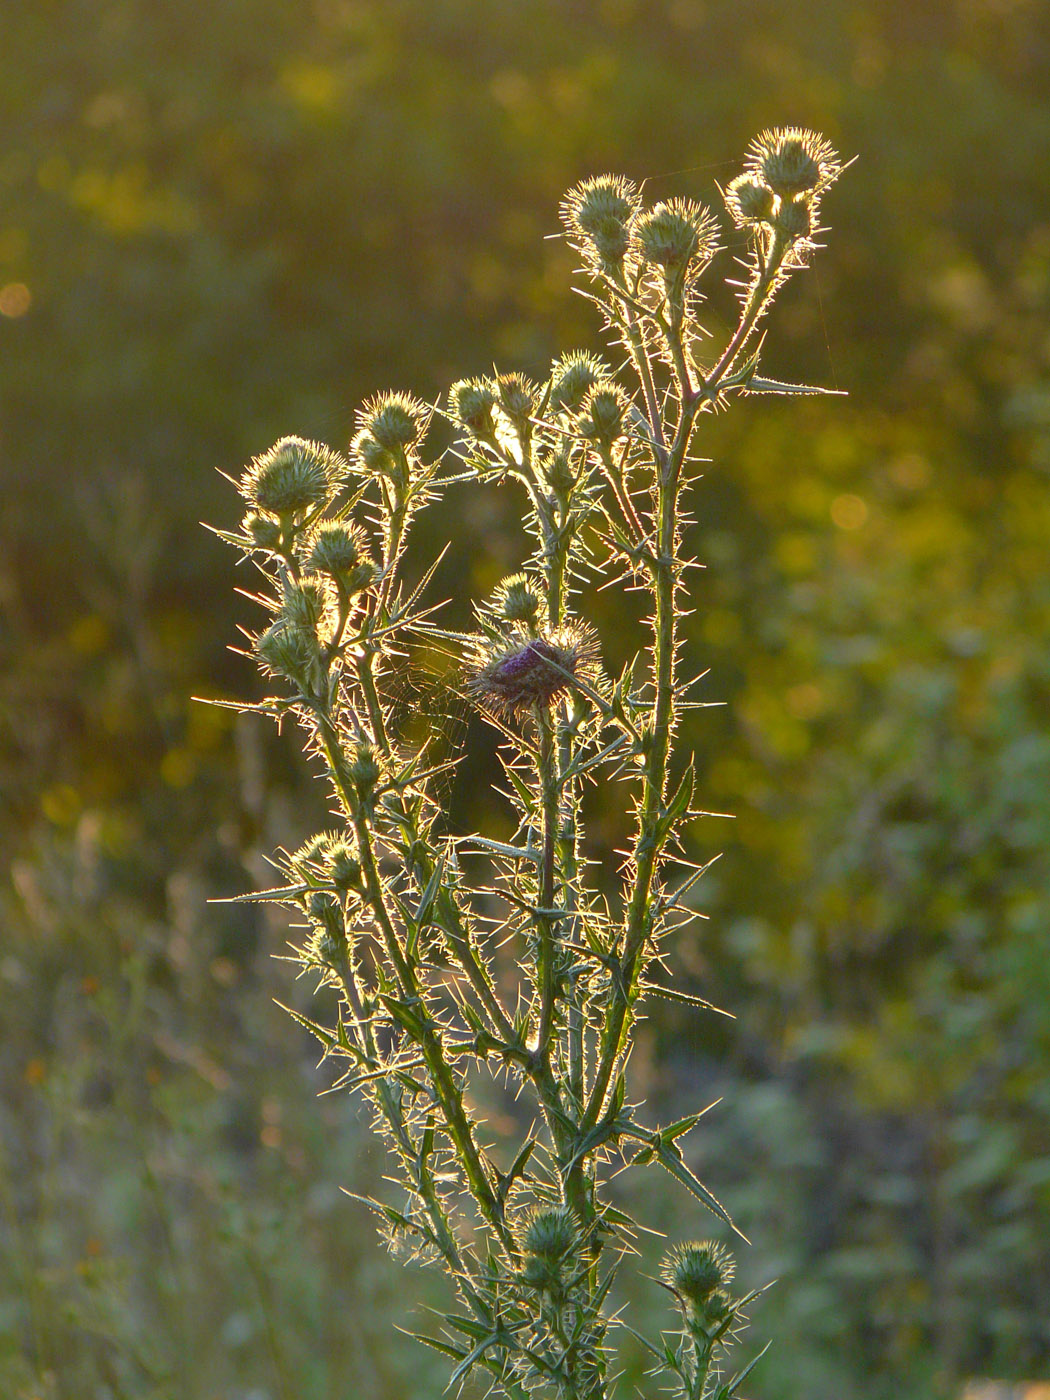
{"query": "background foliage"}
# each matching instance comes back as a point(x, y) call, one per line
point(225, 223)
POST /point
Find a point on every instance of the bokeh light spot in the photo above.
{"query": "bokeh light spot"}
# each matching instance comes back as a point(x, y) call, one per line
point(15, 299)
point(849, 512)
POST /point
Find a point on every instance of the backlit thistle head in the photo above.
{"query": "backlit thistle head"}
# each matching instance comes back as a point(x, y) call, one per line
point(676, 235)
point(549, 1239)
point(517, 599)
point(572, 376)
point(471, 402)
point(376, 459)
point(604, 414)
point(697, 1270)
point(794, 218)
point(749, 201)
point(263, 531)
point(599, 213)
point(394, 420)
point(291, 651)
point(557, 471)
point(520, 672)
point(291, 477)
point(339, 549)
point(306, 603)
point(364, 770)
point(518, 399)
point(793, 161)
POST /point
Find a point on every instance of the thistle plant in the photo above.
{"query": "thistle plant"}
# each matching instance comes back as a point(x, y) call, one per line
point(443, 961)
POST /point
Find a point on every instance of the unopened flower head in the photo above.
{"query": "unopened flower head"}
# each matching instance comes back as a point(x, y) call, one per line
point(572, 376)
point(376, 459)
point(263, 530)
point(294, 475)
point(550, 1236)
point(794, 218)
point(394, 420)
point(793, 161)
point(518, 399)
point(340, 549)
point(306, 603)
point(521, 672)
point(697, 1269)
point(676, 234)
point(289, 650)
point(557, 470)
point(599, 212)
point(517, 599)
point(550, 1233)
point(471, 402)
point(604, 414)
point(749, 201)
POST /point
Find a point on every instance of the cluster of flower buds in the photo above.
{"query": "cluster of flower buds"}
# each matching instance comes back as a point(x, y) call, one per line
point(787, 171)
point(390, 428)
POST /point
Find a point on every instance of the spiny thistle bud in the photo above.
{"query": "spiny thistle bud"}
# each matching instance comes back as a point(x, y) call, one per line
point(363, 771)
point(339, 549)
point(308, 861)
point(676, 234)
point(518, 398)
point(521, 672)
point(749, 201)
point(306, 604)
point(517, 599)
point(290, 650)
point(343, 867)
point(293, 476)
point(572, 376)
point(600, 212)
point(604, 410)
point(549, 1237)
point(471, 402)
point(792, 161)
point(697, 1269)
point(394, 420)
point(556, 470)
point(794, 218)
point(263, 531)
point(375, 459)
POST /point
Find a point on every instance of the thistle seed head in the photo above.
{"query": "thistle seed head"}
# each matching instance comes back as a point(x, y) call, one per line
point(793, 161)
point(514, 675)
point(697, 1269)
point(291, 477)
point(676, 234)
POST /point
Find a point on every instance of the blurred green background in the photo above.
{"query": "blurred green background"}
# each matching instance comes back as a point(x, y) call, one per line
point(221, 223)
